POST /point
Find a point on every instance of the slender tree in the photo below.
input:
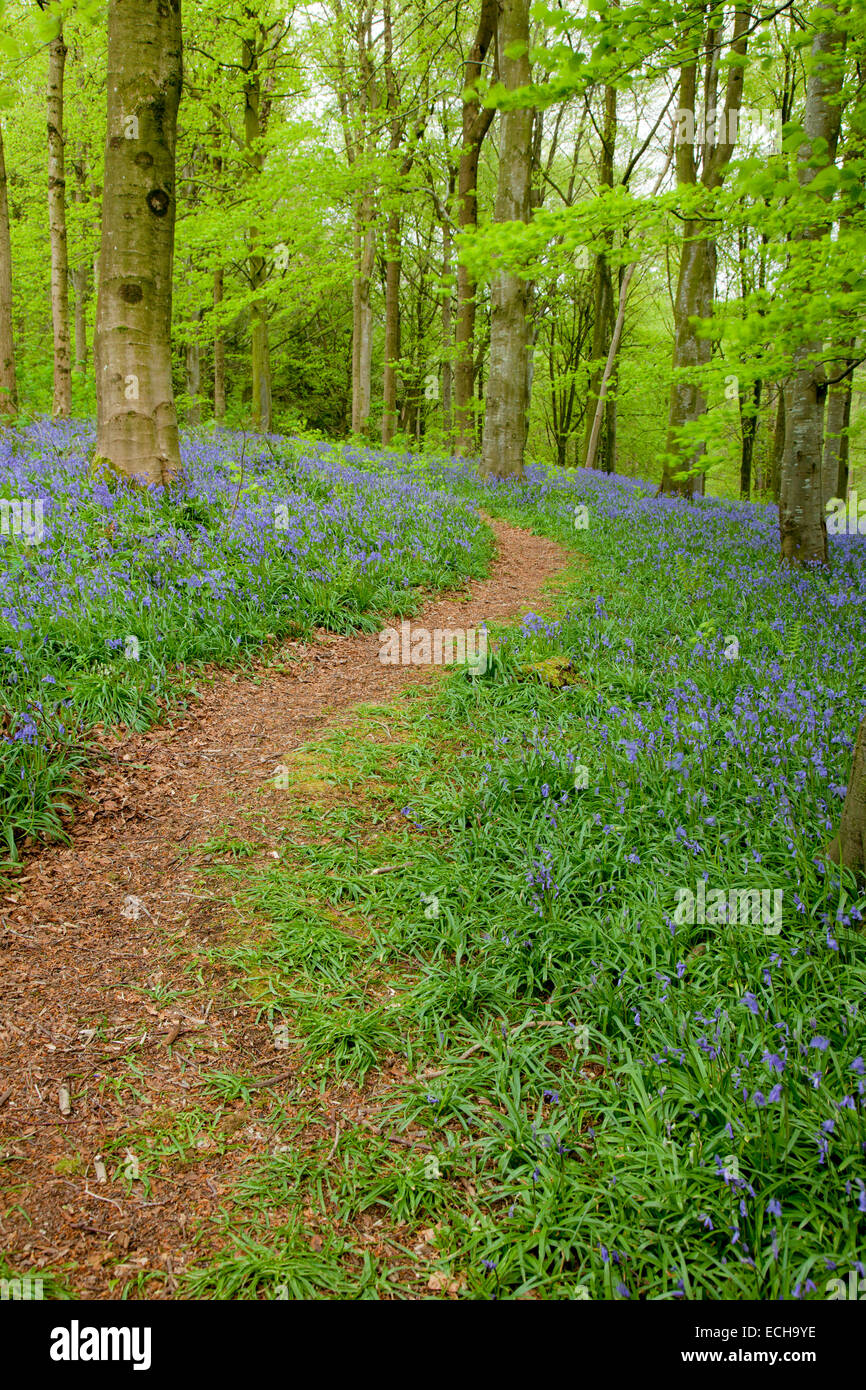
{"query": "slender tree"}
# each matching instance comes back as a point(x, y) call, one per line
point(604, 312)
point(256, 109)
point(80, 272)
point(697, 273)
point(8, 388)
point(393, 228)
point(476, 121)
point(62, 405)
point(834, 467)
point(137, 423)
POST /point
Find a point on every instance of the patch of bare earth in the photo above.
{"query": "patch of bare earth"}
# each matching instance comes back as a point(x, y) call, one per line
point(107, 1037)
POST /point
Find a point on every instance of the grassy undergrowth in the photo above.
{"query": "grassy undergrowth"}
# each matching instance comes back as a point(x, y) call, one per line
point(604, 1099)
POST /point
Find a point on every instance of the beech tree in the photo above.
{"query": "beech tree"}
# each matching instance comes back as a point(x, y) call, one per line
point(700, 162)
point(338, 235)
point(849, 845)
point(259, 49)
point(507, 383)
point(62, 405)
point(137, 433)
point(604, 313)
point(802, 527)
point(475, 123)
point(358, 99)
point(8, 388)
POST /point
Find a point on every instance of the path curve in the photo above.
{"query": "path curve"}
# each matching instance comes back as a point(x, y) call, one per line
point(72, 963)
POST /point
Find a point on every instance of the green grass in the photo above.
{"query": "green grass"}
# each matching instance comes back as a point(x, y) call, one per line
point(592, 1103)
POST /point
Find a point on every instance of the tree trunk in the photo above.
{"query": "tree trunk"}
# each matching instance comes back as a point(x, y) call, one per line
point(447, 329)
point(694, 297)
point(505, 415)
point(603, 308)
point(748, 427)
point(392, 328)
point(778, 444)
point(192, 364)
point(62, 404)
point(137, 421)
point(362, 314)
point(696, 283)
point(849, 846)
point(257, 265)
point(80, 271)
point(261, 367)
point(802, 526)
point(219, 346)
point(8, 389)
point(219, 352)
point(835, 461)
point(476, 123)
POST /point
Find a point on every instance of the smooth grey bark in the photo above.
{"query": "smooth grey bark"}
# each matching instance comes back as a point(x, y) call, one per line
point(219, 347)
point(358, 100)
point(62, 402)
point(219, 352)
point(750, 404)
point(607, 375)
point(8, 387)
point(362, 312)
point(80, 273)
point(192, 366)
point(696, 283)
point(604, 314)
point(257, 266)
point(848, 847)
point(506, 397)
point(476, 121)
point(802, 526)
point(447, 325)
point(834, 467)
point(778, 445)
point(136, 418)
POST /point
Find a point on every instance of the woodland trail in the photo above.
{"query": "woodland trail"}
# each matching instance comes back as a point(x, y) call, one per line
point(103, 1015)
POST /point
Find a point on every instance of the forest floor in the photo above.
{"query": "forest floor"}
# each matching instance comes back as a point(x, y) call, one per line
point(143, 1083)
point(358, 982)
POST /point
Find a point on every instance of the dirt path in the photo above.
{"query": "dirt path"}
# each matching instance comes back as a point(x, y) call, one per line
point(101, 1016)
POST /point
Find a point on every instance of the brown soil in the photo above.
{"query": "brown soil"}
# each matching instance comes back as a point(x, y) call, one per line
point(84, 970)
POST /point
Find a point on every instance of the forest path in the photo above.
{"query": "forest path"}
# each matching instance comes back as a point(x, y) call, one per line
point(103, 1017)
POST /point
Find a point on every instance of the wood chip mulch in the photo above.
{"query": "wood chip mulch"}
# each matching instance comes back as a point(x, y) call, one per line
point(105, 1032)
